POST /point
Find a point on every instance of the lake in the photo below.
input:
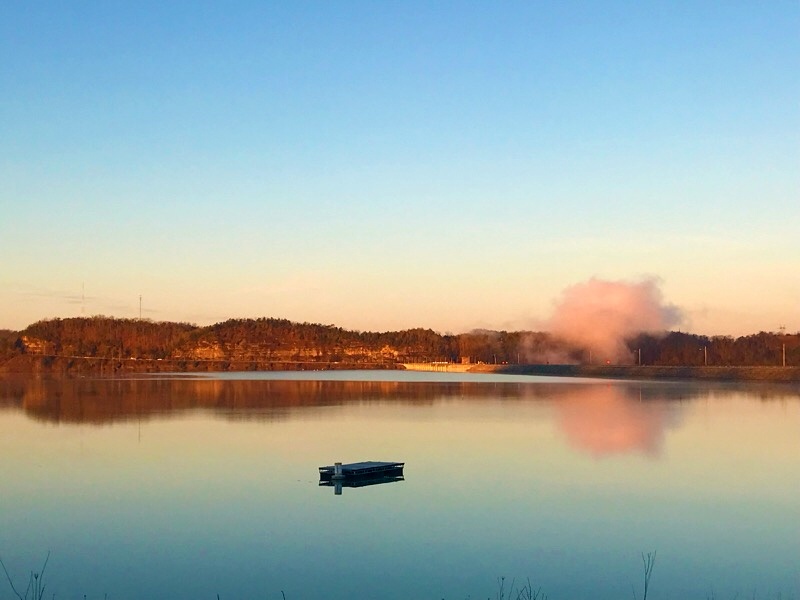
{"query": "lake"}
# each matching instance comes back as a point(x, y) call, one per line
point(193, 486)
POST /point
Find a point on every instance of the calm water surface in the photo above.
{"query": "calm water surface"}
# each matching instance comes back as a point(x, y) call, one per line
point(189, 487)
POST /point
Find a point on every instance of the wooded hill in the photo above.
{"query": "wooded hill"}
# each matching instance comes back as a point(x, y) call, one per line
point(279, 340)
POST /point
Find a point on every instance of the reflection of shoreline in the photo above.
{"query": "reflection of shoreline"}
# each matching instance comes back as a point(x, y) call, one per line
point(101, 401)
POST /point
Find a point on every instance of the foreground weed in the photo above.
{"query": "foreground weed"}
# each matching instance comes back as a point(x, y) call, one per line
point(36, 585)
point(648, 562)
point(526, 592)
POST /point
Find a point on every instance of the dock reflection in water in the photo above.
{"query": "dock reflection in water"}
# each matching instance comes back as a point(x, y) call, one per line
point(338, 484)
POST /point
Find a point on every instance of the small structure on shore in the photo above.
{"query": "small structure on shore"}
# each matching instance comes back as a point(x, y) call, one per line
point(360, 474)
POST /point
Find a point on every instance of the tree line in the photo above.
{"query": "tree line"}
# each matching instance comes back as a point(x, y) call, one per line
point(281, 339)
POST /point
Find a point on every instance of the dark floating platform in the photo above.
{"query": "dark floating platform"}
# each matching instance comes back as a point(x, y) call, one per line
point(360, 474)
point(368, 469)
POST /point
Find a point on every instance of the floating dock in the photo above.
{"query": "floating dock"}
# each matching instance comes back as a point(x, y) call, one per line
point(361, 470)
point(360, 474)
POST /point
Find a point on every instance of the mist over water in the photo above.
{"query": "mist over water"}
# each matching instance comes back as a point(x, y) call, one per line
point(599, 315)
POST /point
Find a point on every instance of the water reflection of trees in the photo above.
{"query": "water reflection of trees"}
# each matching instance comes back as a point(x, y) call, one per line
point(602, 418)
point(106, 400)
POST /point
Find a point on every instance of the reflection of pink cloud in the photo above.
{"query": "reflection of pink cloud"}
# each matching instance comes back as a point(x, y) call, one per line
point(608, 420)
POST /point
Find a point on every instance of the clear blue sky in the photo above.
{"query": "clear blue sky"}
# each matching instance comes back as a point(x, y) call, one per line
point(382, 165)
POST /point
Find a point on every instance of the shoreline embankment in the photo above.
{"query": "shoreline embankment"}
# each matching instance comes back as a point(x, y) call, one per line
point(721, 373)
point(60, 365)
point(86, 365)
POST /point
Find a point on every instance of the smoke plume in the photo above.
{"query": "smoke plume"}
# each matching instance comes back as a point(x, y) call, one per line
point(601, 315)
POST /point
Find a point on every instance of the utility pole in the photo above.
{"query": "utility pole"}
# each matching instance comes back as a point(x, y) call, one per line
point(705, 356)
point(140, 307)
point(640, 357)
point(782, 329)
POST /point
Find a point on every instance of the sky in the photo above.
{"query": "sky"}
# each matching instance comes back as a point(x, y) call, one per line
point(387, 165)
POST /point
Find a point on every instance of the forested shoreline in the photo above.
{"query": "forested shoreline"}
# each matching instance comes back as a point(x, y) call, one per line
point(269, 343)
